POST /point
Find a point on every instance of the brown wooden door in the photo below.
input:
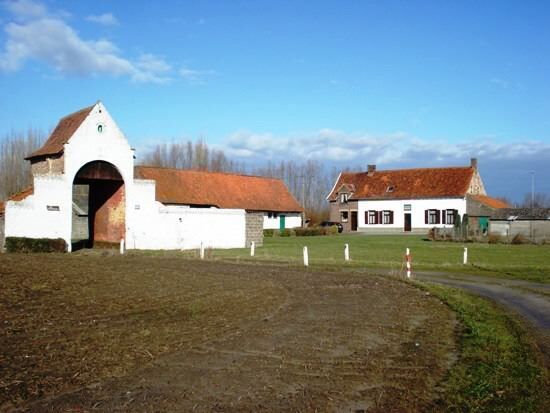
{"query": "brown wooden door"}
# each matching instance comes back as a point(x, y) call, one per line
point(407, 222)
point(354, 220)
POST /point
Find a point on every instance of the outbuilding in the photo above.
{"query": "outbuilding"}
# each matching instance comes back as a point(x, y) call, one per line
point(86, 189)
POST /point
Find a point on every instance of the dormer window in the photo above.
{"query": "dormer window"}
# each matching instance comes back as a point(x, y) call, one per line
point(344, 198)
point(390, 188)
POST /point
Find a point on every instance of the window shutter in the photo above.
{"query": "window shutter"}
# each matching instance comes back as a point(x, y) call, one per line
point(366, 217)
point(391, 217)
point(379, 217)
point(437, 217)
point(426, 216)
point(443, 217)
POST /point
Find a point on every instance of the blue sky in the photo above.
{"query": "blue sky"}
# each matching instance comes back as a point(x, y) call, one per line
point(396, 83)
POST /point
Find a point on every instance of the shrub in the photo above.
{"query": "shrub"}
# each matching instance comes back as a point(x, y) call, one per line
point(519, 239)
point(286, 232)
point(22, 244)
point(333, 230)
point(494, 239)
point(309, 232)
point(269, 232)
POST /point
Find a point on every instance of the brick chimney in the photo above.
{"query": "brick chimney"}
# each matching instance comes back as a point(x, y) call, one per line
point(371, 169)
point(473, 163)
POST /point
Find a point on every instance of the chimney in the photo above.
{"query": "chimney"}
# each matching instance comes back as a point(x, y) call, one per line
point(371, 169)
point(473, 163)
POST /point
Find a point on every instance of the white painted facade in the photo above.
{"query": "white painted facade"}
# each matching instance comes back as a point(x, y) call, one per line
point(291, 219)
point(149, 224)
point(415, 207)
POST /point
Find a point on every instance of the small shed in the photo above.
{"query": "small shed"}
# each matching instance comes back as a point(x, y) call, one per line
point(532, 223)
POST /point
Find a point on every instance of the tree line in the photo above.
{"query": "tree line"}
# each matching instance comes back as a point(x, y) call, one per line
point(309, 181)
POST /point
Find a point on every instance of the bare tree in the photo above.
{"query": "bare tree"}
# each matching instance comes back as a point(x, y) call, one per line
point(15, 171)
point(536, 200)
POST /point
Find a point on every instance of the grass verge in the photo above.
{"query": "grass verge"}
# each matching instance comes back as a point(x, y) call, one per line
point(499, 369)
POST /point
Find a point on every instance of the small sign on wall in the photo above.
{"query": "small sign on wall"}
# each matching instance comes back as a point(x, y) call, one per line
point(407, 207)
point(52, 207)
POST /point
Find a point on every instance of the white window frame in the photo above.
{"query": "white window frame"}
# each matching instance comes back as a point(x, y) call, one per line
point(386, 217)
point(344, 198)
point(372, 217)
point(450, 213)
point(432, 216)
point(342, 219)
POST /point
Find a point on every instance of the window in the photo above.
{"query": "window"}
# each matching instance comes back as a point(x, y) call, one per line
point(344, 198)
point(390, 188)
point(344, 216)
point(449, 216)
point(387, 217)
point(372, 217)
point(100, 128)
point(432, 216)
point(272, 215)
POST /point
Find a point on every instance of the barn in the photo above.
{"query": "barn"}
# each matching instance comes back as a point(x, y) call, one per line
point(86, 190)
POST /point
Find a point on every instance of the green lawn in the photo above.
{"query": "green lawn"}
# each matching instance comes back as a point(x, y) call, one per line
point(529, 262)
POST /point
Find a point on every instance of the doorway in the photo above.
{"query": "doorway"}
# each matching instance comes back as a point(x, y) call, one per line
point(282, 222)
point(99, 206)
point(408, 222)
point(354, 220)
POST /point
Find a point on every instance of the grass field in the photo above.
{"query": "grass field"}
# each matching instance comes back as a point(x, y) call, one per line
point(528, 262)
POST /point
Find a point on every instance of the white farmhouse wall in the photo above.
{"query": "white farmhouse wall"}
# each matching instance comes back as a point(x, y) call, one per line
point(292, 220)
point(418, 206)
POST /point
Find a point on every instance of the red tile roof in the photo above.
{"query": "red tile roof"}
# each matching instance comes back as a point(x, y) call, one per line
point(16, 197)
point(491, 202)
point(223, 190)
point(66, 128)
point(407, 183)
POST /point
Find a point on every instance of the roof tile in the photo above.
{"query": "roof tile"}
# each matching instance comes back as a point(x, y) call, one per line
point(64, 130)
point(407, 183)
point(223, 190)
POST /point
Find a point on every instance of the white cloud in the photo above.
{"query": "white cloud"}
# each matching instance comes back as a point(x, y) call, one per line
point(49, 39)
point(105, 19)
point(390, 149)
point(194, 76)
point(25, 9)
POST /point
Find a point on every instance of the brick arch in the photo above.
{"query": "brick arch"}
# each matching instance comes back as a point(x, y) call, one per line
point(99, 204)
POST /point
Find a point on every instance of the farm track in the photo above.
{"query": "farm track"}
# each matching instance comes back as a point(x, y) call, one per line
point(529, 300)
point(140, 334)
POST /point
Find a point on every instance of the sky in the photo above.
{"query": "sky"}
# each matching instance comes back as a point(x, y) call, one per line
point(398, 84)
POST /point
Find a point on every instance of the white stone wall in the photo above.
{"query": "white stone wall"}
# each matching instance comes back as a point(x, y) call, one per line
point(418, 206)
point(292, 220)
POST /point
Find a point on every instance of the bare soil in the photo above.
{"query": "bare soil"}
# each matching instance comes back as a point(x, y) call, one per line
point(136, 333)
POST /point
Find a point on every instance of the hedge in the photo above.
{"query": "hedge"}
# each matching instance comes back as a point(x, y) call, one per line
point(21, 244)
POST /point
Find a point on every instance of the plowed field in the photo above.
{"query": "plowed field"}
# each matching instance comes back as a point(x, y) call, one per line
point(137, 333)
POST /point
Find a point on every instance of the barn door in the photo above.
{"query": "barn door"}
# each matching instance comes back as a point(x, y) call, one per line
point(282, 220)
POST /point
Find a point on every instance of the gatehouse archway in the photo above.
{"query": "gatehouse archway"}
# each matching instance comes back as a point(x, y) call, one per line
point(99, 205)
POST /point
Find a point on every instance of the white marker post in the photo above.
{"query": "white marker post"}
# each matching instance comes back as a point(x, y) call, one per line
point(122, 246)
point(346, 252)
point(465, 255)
point(202, 251)
point(306, 258)
point(69, 247)
point(408, 258)
point(252, 247)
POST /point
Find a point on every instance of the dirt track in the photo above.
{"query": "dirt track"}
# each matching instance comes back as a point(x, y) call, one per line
point(529, 300)
point(165, 334)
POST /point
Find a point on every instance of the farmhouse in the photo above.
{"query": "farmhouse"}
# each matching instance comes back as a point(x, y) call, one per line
point(408, 200)
point(87, 189)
